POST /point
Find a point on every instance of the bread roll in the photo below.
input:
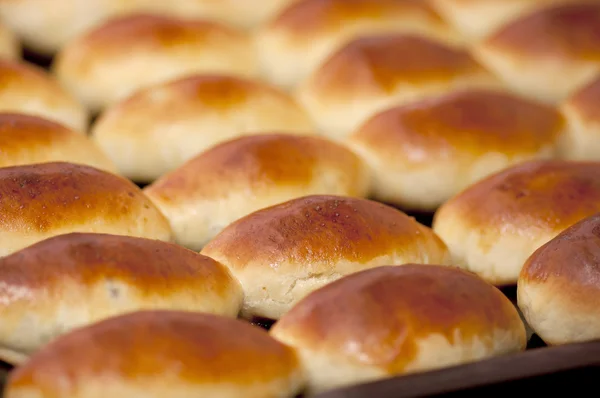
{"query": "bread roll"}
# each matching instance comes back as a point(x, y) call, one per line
point(10, 48)
point(301, 37)
point(477, 19)
point(559, 285)
point(493, 226)
point(582, 138)
point(76, 279)
point(370, 74)
point(159, 128)
point(424, 153)
point(44, 200)
point(25, 88)
point(161, 354)
point(394, 320)
point(283, 252)
point(246, 174)
point(548, 54)
point(26, 139)
point(242, 14)
point(125, 54)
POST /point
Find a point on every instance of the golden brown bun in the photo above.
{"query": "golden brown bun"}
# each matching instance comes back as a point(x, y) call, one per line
point(161, 354)
point(76, 279)
point(10, 48)
point(244, 14)
point(393, 320)
point(44, 200)
point(238, 177)
point(283, 252)
point(301, 37)
point(25, 88)
point(582, 138)
point(372, 73)
point(128, 53)
point(158, 129)
point(548, 54)
point(559, 286)
point(477, 19)
point(493, 226)
point(424, 153)
point(26, 139)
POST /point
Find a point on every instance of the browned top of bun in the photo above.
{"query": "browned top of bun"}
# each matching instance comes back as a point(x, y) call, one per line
point(573, 257)
point(199, 348)
point(586, 101)
point(537, 195)
point(475, 121)
point(282, 159)
point(33, 198)
point(18, 131)
point(377, 64)
point(564, 31)
point(319, 229)
point(87, 258)
point(387, 311)
point(309, 18)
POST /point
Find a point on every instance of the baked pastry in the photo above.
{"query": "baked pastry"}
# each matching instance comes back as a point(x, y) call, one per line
point(72, 280)
point(125, 54)
point(238, 177)
point(558, 286)
point(283, 252)
point(424, 153)
point(492, 227)
point(581, 140)
point(301, 37)
point(25, 88)
point(398, 319)
point(242, 14)
point(10, 48)
point(161, 354)
point(159, 128)
point(26, 139)
point(44, 200)
point(477, 19)
point(533, 54)
point(372, 73)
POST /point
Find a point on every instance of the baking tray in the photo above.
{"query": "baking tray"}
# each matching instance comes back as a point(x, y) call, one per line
point(540, 367)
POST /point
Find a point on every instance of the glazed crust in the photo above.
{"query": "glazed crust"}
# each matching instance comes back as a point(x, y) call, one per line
point(250, 173)
point(44, 200)
point(98, 276)
point(194, 354)
point(386, 317)
point(175, 121)
point(27, 139)
point(299, 245)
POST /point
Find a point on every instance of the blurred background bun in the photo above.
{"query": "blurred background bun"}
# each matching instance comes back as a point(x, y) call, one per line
point(26, 139)
point(10, 47)
point(372, 73)
point(424, 153)
point(492, 227)
point(238, 177)
point(76, 279)
point(301, 37)
point(25, 88)
point(477, 19)
point(559, 286)
point(125, 54)
point(388, 321)
point(283, 252)
point(159, 128)
point(581, 140)
point(44, 200)
point(548, 54)
point(169, 353)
